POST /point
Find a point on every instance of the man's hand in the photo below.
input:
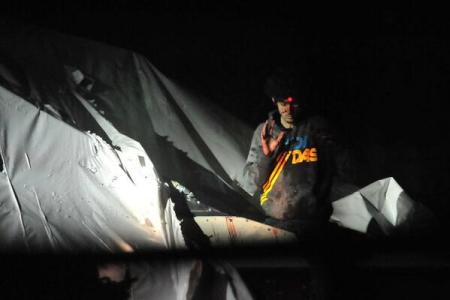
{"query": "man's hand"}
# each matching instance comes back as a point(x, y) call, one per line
point(268, 143)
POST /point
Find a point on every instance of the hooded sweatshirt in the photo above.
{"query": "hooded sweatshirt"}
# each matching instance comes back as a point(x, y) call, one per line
point(294, 182)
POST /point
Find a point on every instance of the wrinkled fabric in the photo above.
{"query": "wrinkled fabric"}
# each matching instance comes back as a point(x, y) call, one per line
point(89, 134)
point(385, 203)
point(67, 190)
point(189, 139)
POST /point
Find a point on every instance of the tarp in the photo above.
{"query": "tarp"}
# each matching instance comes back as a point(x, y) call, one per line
point(190, 140)
point(386, 204)
point(90, 133)
point(186, 279)
point(68, 190)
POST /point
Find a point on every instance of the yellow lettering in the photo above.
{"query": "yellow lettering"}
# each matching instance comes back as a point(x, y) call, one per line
point(313, 154)
point(306, 154)
point(297, 157)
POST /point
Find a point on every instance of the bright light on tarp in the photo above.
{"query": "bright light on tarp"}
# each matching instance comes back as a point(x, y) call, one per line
point(67, 190)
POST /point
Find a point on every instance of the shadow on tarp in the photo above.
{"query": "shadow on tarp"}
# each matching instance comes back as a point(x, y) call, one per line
point(206, 186)
point(52, 95)
point(47, 87)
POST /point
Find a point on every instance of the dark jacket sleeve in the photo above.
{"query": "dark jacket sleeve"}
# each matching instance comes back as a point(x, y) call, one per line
point(257, 165)
point(338, 157)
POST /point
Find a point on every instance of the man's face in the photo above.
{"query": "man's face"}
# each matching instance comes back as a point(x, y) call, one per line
point(288, 110)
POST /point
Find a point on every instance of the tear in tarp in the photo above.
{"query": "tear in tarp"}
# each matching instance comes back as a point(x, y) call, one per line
point(189, 139)
point(88, 134)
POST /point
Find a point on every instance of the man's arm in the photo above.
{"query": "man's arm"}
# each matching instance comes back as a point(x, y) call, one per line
point(257, 164)
point(337, 152)
point(260, 157)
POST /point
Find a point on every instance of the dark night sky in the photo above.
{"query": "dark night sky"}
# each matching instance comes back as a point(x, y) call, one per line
point(359, 60)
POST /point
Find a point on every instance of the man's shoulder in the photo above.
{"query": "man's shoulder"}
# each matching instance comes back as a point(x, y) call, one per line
point(317, 119)
point(317, 122)
point(259, 127)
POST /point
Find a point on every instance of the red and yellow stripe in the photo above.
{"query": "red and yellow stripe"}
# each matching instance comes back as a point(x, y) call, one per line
point(267, 187)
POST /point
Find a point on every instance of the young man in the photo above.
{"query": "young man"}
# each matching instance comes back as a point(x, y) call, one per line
point(290, 164)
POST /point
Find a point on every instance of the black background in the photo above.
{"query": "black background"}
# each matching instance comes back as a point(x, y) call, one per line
point(380, 74)
point(369, 67)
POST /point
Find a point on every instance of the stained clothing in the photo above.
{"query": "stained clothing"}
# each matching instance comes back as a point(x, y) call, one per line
point(295, 181)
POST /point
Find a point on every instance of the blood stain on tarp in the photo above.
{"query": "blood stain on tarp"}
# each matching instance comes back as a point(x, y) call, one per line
point(275, 232)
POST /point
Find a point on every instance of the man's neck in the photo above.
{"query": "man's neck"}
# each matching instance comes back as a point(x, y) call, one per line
point(287, 125)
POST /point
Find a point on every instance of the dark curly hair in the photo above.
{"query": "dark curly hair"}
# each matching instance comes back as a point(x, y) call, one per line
point(285, 81)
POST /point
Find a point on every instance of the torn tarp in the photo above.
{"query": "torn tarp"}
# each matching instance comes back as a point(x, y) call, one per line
point(89, 134)
point(67, 190)
point(385, 204)
point(190, 140)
